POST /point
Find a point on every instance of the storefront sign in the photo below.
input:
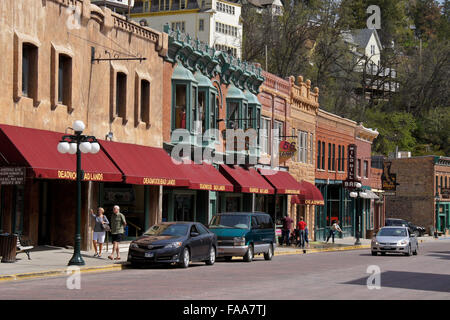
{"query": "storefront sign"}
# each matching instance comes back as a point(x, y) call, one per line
point(158, 181)
point(445, 193)
point(388, 179)
point(72, 175)
point(351, 162)
point(211, 187)
point(288, 191)
point(351, 181)
point(12, 176)
point(259, 190)
point(287, 150)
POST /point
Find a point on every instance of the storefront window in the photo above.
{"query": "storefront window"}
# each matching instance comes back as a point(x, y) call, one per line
point(232, 204)
point(202, 108)
point(180, 107)
point(233, 115)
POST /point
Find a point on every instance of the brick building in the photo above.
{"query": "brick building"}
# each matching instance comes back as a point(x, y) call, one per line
point(48, 81)
point(421, 195)
point(303, 119)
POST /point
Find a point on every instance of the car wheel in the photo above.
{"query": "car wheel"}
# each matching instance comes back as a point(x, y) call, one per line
point(249, 255)
point(374, 253)
point(228, 258)
point(269, 254)
point(409, 253)
point(212, 257)
point(185, 257)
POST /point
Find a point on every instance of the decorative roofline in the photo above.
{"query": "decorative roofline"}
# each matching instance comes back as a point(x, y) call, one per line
point(198, 56)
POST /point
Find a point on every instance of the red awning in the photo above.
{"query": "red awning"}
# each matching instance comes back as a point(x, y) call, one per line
point(311, 195)
point(37, 150)
point(145, 165)
point(204, 177)
point(282, 181)
point(246, 180)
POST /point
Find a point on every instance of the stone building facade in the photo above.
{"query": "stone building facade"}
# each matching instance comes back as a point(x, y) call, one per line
point(421, 195)
point(303, 120)
point(49, 80)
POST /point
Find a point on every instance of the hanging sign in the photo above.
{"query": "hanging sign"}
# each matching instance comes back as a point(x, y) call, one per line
point(287, 150)
point(350, 182)
point(388, 179)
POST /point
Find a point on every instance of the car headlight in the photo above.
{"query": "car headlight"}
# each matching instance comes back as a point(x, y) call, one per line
point(134, 245)
point(403, 242)
point(239, 241)
point(375, 242)
point(173, 245)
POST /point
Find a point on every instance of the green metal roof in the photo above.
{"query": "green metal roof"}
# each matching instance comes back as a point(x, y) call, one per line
point(181, 73)
point(235, 93)
point(203, 81)
point(251, 98)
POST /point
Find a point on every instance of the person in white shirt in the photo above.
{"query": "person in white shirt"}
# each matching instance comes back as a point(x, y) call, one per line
point(335, 227)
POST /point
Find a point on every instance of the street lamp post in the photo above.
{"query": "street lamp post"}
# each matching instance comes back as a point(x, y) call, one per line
point(355, 194)
point(438, 227)
point(77, 144)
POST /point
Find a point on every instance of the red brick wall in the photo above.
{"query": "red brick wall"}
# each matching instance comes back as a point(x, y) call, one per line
point(363, 153)
point(336, 132)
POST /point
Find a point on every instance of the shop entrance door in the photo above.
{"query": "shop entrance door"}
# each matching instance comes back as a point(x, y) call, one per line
point(184, 208)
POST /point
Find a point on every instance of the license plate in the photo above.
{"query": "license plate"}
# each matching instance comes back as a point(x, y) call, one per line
point(149, 254)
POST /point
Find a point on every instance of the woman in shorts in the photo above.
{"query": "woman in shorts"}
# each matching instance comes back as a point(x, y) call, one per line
point(99, 230)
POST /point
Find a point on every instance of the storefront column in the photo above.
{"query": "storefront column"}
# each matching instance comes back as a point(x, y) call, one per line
point(146, 207)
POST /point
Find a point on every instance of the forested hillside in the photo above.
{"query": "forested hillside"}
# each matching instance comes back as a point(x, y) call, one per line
point(309, 39)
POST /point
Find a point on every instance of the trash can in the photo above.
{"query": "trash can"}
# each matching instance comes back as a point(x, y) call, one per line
point(369, 234)
point(8, 245)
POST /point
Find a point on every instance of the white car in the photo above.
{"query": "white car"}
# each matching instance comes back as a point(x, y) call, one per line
point(395, 240)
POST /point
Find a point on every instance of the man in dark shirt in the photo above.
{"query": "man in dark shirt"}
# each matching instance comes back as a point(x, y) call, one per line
point(287, 227)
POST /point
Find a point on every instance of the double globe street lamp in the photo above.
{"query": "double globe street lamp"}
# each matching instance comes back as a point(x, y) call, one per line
point(77, 144)
point(355, 194)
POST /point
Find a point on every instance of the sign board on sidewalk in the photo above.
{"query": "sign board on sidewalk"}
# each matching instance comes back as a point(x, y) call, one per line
point(12, 176)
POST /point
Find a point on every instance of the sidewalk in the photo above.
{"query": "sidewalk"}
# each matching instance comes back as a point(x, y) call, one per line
point(321, 246)
point(49, 261)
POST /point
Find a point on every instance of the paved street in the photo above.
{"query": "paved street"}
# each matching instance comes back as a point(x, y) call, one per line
point(327, 275)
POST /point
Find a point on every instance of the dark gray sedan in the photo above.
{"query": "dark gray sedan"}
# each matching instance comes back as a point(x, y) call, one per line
point(395, 240)
point(174, 242)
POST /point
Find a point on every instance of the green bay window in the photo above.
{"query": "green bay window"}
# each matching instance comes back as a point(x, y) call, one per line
point(207, 97)
point(236, 108)
point(184, 99)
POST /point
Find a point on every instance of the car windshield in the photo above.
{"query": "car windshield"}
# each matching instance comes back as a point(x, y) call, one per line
point(395, 223)
point(392, 232)
point(230, 221)
point(167, 230)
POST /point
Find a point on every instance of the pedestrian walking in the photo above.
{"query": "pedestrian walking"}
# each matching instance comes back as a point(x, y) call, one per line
point(118, 223)
point(301, 226)
point(307, 236)
point(100, 228)
point(287, 228)
point(335, 227)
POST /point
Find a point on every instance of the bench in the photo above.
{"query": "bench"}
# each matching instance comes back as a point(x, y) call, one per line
point(23, 246)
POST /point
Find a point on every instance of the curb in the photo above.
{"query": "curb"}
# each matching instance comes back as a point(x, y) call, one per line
point(59, 272)
point(300, 251)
